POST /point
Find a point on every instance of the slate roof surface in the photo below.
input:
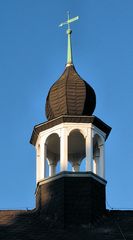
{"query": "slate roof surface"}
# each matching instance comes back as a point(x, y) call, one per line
point(70, 95)
point(32, 225)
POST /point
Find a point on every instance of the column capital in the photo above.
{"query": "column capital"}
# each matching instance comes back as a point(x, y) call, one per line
point(52, 162)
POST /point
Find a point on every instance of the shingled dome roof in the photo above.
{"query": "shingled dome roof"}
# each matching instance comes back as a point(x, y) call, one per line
point(70, 95)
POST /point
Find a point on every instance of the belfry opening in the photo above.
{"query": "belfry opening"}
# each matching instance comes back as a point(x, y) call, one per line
point(76, 149)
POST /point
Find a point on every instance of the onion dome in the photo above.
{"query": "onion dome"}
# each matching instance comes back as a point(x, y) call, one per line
point(70, 95)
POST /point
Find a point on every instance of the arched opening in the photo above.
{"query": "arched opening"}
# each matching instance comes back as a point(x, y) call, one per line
point(76, 149)
point(97, 161)
point(53, 154)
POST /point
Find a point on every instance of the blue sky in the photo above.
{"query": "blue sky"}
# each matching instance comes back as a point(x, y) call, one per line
point(33, 56)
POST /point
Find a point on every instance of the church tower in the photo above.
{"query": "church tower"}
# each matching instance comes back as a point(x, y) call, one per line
point(71, 137)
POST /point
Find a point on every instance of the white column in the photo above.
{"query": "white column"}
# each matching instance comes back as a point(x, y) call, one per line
point(98, 170)
point(102, 161)
point(52, 169)
point(45, 158)
point(96, 161)
point(63, 150)
point(89, 151)
point(95, 165)
point(37, 163)
point(41, 166)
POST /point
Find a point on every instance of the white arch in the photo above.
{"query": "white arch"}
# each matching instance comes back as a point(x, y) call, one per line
point(83, 131)
point(43, 137)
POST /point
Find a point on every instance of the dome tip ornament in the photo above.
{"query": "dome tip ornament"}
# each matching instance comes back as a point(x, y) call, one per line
point(69, 31)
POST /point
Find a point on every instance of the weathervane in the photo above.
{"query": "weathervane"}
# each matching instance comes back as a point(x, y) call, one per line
point(69, 31)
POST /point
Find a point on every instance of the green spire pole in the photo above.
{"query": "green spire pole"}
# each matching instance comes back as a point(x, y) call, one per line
point(69, 31)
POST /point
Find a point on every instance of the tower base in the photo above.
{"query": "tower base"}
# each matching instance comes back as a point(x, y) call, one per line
point(72, 198)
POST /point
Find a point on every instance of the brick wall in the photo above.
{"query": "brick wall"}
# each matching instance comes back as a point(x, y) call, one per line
point(71, 198)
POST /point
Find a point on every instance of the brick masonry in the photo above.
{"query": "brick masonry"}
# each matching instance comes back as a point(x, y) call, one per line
point(72, 198)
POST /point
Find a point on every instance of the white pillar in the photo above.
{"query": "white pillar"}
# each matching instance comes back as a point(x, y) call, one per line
point(63, 150)
point(37, 163)
point(45, 159)
point(52, 170)
point(96, 166)
point(102, 161)
point(89, 151)
point(41, 162)
point(98, 170)
point(52, 167)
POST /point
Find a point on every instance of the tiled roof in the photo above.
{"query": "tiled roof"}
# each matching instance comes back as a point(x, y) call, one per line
point(34, 225)
point(70, 95)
